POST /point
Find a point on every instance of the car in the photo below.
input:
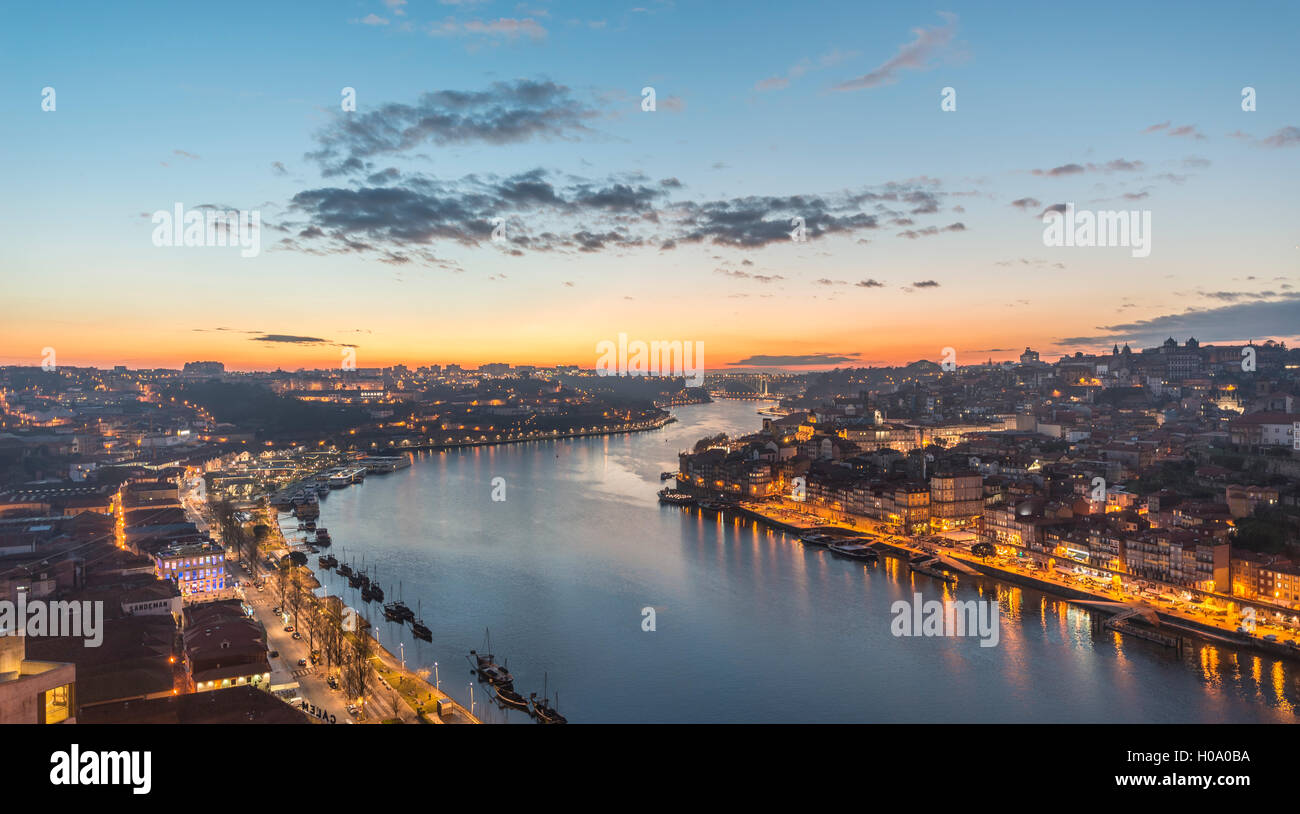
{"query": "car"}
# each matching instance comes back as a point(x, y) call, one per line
point(275, 654)
point(288, 628)
point(353, 711)
point(302, 662)
point(276, 611)
point(332, 682)
point(297, 635)
point(1272, 637)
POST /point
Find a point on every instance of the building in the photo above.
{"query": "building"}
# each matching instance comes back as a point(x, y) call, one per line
point(956, 500)
point(224, 647)
point(196, 568)
point(34, 692)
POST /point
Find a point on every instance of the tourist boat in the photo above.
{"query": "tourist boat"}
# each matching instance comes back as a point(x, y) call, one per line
point(711, 505)
point(510, 698)
point(324, 562)
point(323, 537)
point(322, 489)
point(675, 498)
point(854, 551)
point(345, 570)
point(372, 592)
point(812, 538)
point(357, 578)
point(308, 509)
point(329, 561)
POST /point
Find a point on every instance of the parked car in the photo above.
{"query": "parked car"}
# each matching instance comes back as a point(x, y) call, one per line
point(297, 635)
point(288, 628)
point(275, 654)
point(302, 662)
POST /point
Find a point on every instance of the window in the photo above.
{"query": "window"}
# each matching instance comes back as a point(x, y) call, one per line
point(57, 704)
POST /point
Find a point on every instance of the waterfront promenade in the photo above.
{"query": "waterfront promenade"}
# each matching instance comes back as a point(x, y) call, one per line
point(1170, 615)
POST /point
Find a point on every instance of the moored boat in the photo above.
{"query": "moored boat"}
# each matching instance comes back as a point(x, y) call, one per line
point(675, 498)
point(854, 551)
point(510, 698)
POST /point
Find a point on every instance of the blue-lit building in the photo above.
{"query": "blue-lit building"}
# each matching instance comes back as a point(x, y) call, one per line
point(196, 568)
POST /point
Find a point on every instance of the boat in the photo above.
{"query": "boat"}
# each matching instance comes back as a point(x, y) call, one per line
point(542, 709)
point(854, 551)
point(926, 566)
point(322, 489)
point(329, 561)
point(323, 537)
point(509, 698)
point(357, 578)
point(373, 591)
point(812, 538)
point(398, 612)
point(711, 505)
point(338, 480)
point(675, 498)
point(324, 562)
point(488, 670)
point(345, 570)
point(308, 509)
point(420, 630)
point(367, 592)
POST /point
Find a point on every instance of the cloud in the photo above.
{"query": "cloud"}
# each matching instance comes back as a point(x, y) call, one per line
point(1153, 128)
point(926, 284)
point(1189, 131)
point(913, 56)
point(802, 67)
point(804, 360)
point(930, 231)
point(1286, 137)
point(1117, 165)
point(869, 283)
point(507, 28)
point(373, 19)
point(290, 339)
point(506, 113)
point(1237, 322)
point(1026, 203)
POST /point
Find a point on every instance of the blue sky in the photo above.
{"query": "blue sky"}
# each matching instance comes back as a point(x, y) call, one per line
point(158, 104)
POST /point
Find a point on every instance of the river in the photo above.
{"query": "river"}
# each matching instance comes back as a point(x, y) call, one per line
point(750, 626)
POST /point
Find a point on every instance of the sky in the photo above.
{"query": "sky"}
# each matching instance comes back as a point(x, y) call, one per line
point(501, 194)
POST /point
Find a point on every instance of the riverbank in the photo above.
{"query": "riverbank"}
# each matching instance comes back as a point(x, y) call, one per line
point(793, 523)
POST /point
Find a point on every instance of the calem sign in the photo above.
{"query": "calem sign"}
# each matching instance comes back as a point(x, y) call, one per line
point(316, 712)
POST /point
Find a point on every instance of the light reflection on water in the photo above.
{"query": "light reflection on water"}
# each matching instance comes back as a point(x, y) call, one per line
point(751, 625)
